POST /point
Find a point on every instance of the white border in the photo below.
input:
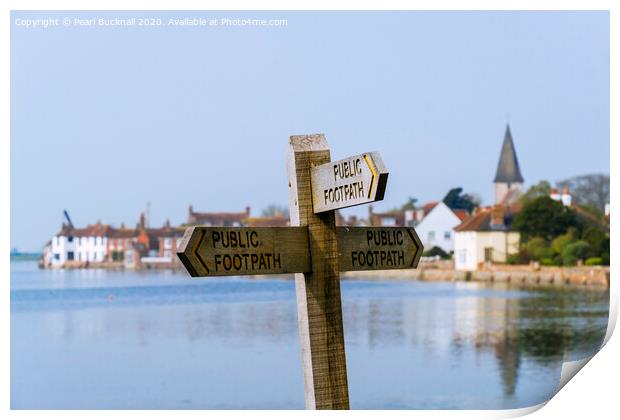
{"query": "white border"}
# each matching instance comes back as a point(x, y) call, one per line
point(595, 390)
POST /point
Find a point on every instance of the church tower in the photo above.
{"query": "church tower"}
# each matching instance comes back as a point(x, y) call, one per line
point(508, 176)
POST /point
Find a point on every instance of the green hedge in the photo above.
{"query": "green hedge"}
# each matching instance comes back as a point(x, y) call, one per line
point(575, 251)
point(594, 261)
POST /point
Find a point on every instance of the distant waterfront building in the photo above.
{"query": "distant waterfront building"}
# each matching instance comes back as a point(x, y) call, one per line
point(73, 246)
point(436, 228)
point(217, 219)
point(508, 179)
point(487, 236)
point(392, 218)
point(105, 246)
point(352, 220)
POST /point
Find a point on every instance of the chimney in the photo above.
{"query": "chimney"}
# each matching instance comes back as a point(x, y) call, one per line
point(122, 225)
point(497, 216)
point(247, 211)
point(567, 200)
point(190, 218)
point(167, 225)
point(142, 221)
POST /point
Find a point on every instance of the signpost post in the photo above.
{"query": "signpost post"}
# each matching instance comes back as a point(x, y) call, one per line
point(315, 250)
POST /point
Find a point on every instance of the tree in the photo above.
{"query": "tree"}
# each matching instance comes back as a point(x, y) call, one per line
point(562, 241)
point(543, 217)
point(436, 251)
point(592, 189)
point(274, 210)
point(454, 199)
point(541, 189)
point(537, 249)
point(578, 250)
point(410, 204)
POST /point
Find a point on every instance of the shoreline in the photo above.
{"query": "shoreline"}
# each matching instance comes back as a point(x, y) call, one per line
point(545, 276)
point(525, 275)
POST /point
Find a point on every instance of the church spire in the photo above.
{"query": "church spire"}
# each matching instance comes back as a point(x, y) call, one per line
point(508, 170)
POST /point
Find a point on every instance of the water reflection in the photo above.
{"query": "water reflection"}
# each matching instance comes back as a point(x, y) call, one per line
point(409, 344)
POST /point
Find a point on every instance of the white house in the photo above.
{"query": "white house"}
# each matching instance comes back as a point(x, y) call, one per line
point(485, 237)
point(436, 228)
point(74, 246)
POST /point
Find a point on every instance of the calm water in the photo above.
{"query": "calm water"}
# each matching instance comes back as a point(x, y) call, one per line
point(97, 339)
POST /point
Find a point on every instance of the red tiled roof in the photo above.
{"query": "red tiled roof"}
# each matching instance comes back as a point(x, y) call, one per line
point(461, 214)
point(429, 206)
point(122, 233)
point(481, 220)
point(90, 230)
point(476, 222)
point(165, 232)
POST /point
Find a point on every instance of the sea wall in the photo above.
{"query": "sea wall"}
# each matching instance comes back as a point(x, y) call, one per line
point(530, 275)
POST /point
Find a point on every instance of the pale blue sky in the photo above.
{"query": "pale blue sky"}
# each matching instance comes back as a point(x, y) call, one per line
point(105, 119)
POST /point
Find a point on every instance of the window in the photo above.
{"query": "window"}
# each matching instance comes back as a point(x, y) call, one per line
point(447, 235)
point(488, 254)
point(431, 235)
point(70, 256)
point(57, 257)
point(70, 239)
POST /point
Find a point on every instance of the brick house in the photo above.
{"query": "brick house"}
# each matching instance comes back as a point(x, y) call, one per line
point(217, 219)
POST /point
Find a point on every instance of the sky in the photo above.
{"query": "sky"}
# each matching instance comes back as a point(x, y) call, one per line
point(107, 119)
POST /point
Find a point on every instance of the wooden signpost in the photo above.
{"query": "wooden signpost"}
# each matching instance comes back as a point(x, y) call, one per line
point(234, 251)
point(348, 182)
point(315, 250)
point(378, 248)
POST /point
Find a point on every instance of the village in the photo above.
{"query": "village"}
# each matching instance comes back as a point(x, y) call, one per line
point(460, 242)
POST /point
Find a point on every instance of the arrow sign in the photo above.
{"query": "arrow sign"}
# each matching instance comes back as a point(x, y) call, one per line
point(378, 248)
point(348, 182)
point(221, 251)
point(227, 251)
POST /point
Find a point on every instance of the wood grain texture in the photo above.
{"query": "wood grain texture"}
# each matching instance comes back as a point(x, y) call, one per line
point(318, 292)
point(378, 248)
point(358, 179)
point(233, 251)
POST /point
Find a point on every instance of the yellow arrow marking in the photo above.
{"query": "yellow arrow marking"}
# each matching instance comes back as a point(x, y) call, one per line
point(374, 174)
